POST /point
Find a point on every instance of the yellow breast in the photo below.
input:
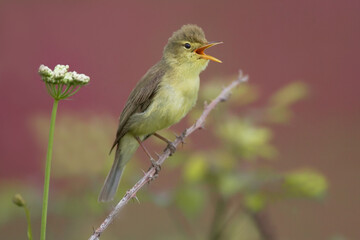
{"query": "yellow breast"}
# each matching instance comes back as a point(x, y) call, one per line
point(177, 94)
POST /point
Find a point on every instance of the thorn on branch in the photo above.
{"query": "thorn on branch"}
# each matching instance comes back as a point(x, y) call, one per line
point(136, 198)
point(205, 104)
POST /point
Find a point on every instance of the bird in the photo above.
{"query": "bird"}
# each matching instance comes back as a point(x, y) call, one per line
point(163, 96)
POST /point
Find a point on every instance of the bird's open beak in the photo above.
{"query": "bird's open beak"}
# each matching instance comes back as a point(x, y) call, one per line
point(201, 50)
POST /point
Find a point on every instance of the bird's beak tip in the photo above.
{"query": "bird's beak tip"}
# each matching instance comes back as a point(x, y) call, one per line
point(201, 50)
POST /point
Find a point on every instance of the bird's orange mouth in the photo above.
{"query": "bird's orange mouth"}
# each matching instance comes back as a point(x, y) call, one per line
point(201, 50)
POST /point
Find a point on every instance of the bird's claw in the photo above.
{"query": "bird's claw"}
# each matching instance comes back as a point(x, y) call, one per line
point(157, 167)
point(171, 147)
point(181, 138)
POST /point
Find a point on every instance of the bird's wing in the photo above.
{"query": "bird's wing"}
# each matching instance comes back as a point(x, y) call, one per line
point(140, 98)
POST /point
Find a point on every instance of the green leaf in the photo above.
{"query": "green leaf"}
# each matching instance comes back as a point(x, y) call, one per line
point(244, 94)
point(223, 160)
point(195, 168)
point(230, 184)
point(305, 183)
point(289, 94)
point(278, 110)
point(279, 114)
point(247, 140)
point(255, 201)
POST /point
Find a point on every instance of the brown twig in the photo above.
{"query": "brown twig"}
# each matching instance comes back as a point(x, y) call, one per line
point(149, 175)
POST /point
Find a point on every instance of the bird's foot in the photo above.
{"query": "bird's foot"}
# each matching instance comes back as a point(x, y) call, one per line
point(181, 137)
point(157, 167)
point(171, 147)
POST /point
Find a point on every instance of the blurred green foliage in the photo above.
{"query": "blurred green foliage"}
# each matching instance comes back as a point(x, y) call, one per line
point(217, 191)
point(81, 140)
point(278, 110)
point(230, 172)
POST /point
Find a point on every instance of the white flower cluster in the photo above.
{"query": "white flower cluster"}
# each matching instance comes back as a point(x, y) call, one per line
point(60, 75)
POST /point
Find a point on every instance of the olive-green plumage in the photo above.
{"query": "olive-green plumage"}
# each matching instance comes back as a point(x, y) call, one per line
point(163, 96)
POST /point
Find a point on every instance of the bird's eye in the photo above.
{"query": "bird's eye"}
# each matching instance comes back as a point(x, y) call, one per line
point(187, 45)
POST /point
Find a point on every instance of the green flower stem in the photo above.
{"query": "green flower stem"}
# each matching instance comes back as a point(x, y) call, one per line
point(72, 93)
point(29, 231)
point(47, 170)
point(66, 91)
point(60, 84)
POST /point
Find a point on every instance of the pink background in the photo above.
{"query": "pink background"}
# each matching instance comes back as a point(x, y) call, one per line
point(275, 42)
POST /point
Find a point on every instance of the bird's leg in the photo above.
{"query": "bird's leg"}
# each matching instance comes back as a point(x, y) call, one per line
point(153, 162)
point(170, 145)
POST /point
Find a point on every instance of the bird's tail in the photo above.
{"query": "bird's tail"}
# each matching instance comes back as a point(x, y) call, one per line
point(124, 151)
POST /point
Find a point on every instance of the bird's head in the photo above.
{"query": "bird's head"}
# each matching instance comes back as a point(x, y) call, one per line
point(186, 48)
